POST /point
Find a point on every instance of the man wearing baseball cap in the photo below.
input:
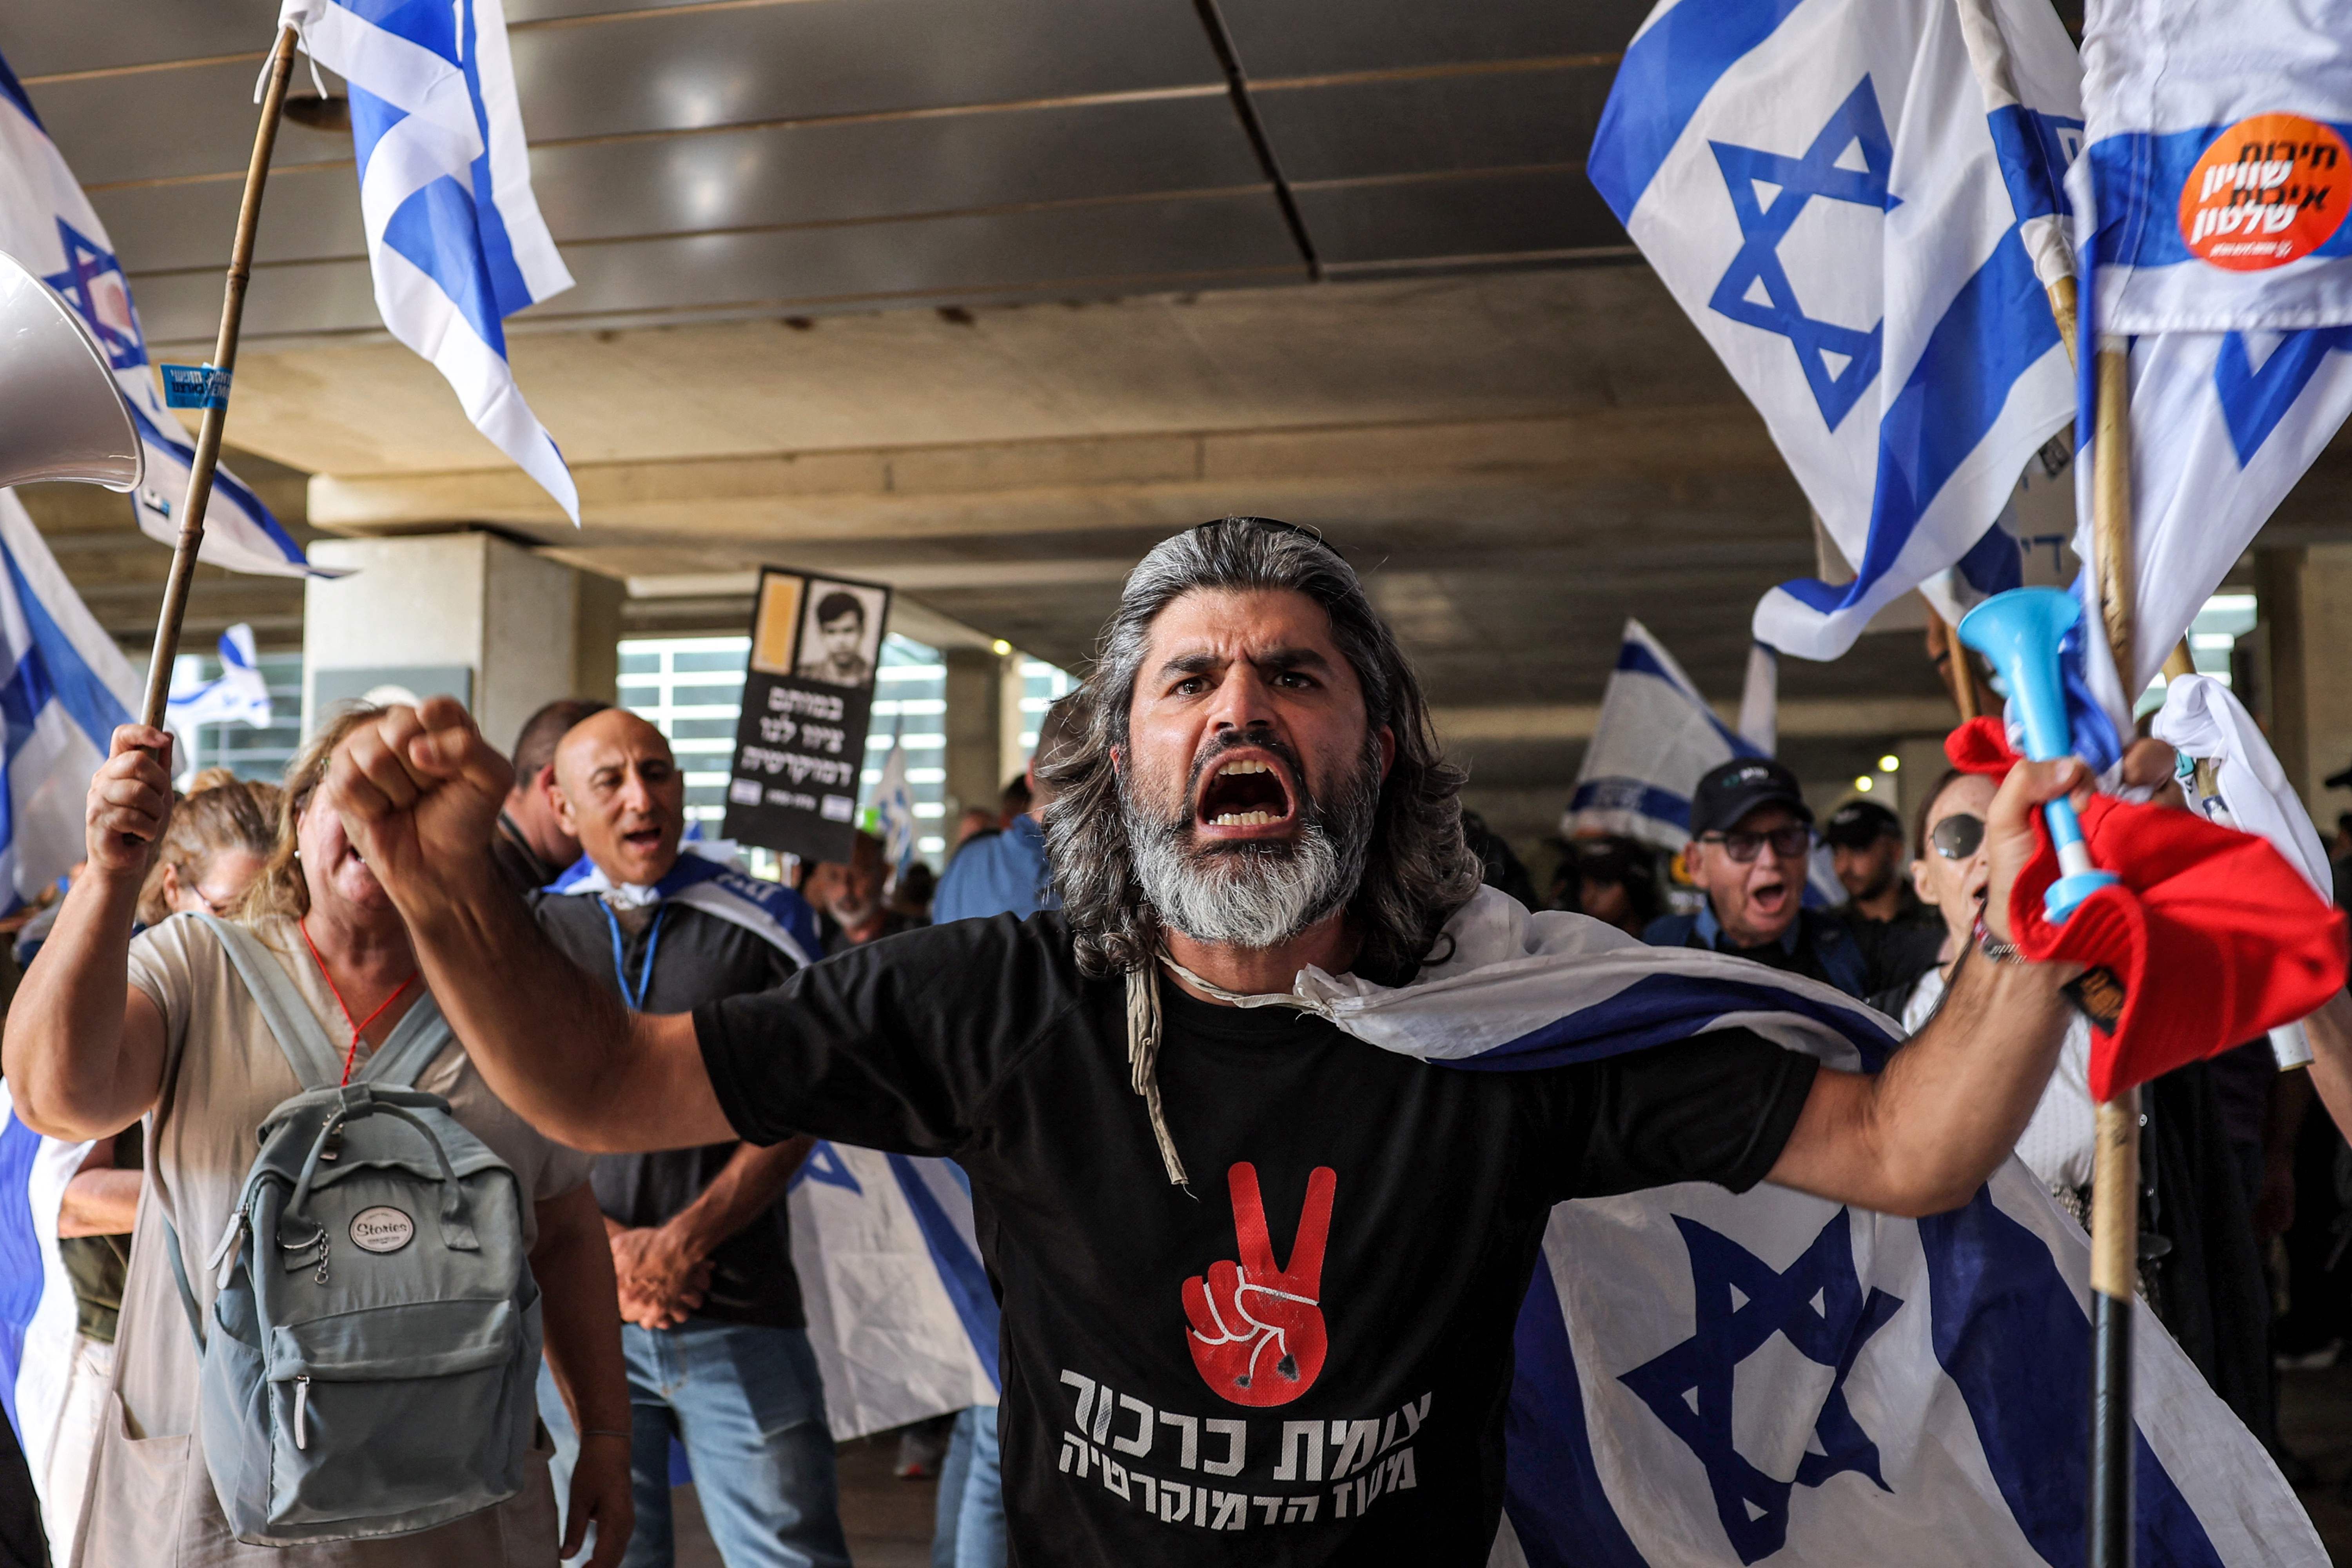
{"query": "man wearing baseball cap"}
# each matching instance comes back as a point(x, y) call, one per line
point(1904, 936)
point(1751, 835)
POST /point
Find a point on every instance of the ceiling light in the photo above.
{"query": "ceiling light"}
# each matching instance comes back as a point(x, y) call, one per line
point(1864, 783)
point(1000, 647)
point(1889, 763)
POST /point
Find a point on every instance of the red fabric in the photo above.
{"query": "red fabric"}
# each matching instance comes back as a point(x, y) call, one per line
point(2213, 936)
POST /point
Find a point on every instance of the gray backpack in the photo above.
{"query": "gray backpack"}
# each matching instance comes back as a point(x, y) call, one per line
point(370, 1361)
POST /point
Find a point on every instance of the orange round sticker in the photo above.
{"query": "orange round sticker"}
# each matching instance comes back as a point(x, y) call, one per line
point(2268, 191)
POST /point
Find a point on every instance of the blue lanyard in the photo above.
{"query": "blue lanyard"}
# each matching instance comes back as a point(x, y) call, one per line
point(620, 964)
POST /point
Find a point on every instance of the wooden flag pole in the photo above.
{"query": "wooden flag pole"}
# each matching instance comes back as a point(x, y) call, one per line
point(2115, 1173)
point(216, 415)
point(1951, 660)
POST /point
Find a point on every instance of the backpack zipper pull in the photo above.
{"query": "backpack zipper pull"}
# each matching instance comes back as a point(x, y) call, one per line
point(302, 1411)
point(222, 1262)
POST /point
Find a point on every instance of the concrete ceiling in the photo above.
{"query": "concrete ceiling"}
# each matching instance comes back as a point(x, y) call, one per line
point(984, 300)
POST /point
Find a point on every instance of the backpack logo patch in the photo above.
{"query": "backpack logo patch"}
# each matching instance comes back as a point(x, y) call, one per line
point(382, 1229)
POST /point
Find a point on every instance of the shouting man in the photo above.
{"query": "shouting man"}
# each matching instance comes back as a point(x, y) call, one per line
point(1228, 1240)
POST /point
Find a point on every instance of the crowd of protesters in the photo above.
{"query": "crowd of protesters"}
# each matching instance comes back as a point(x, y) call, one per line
point(2225, 1235)
point(673, 1311)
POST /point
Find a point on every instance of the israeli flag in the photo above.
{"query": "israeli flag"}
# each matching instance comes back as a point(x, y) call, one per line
point(900, 1311)
point(706, 878)
point(47, 223)
point(899, 1307)
point(1705, 1378)
point(66, 688)
point(2216, 153)
point(2209, 212)
point(238, 695)
point(38, 1315)
point(455, 238)
point(1824, 185)
point(1655, 737)
point(894, 811)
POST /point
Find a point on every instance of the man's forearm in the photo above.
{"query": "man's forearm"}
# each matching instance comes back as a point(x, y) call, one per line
point(99, 1203)
point(550, 1042)
point(747, 1187)
point(554, 1045)
point(1920, 1137)
point(1950, 1106)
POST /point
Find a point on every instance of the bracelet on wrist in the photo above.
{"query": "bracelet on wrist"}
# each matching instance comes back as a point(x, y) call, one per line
point(1993, 948)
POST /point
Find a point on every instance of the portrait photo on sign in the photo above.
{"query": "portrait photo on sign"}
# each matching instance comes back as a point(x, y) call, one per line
point(841, 632)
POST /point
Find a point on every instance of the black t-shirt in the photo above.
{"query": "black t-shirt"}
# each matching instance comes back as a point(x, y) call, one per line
point(697, 959)
point(1181, 1384)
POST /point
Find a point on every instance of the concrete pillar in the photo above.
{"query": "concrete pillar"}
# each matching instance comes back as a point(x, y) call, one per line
point(975, 697)
point(2306, 603)
point(466, 614)
point(1011, 724)
point(596, 635)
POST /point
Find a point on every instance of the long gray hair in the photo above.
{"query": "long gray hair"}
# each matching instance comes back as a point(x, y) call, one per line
point(1417, 872)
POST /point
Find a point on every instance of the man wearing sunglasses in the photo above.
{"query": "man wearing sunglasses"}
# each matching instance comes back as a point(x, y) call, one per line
point(1751, 835)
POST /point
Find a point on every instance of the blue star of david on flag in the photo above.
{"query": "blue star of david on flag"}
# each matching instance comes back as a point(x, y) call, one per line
point(824, 1166)
point(1838, 362)
point(1741, 1301)
point(2255, 398)
point(86, 264)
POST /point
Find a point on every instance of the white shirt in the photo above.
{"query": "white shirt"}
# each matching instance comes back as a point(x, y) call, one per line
point(2056, 1145)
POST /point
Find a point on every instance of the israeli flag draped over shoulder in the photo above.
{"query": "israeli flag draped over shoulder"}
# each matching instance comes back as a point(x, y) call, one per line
point(2210, 214)
point(47, 223)
point(1822, 186)
point(1705, 1378)
point(455, 242)
point(900, 1311)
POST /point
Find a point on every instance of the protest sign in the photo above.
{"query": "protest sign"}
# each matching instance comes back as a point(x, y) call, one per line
point(808, 692)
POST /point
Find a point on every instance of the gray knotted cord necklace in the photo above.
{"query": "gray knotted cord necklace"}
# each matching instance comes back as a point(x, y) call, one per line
point(1143, 1030)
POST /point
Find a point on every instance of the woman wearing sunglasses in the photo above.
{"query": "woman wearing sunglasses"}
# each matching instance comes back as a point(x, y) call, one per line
point(2200, 1269)
point(1949, 871)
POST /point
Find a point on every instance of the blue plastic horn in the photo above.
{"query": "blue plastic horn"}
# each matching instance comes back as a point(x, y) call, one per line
point(2019, 632)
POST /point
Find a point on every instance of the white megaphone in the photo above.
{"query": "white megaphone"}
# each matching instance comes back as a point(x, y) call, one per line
point(61, 414)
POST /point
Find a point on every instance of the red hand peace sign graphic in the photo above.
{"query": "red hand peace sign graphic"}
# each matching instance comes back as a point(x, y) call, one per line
point(1258, 1331)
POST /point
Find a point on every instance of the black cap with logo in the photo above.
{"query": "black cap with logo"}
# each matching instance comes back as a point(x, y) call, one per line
point(1859, 823)
point(1732, 790)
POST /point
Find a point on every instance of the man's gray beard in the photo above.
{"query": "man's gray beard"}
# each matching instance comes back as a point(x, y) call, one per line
point(1256, 894)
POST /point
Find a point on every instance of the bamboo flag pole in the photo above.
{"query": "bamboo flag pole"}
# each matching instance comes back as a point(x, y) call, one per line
point(216, 415)
point(2115, 1172)
point(2114, 1176)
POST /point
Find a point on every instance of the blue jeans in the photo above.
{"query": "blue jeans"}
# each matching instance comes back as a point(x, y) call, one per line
point(747, 1406)
point(969, 1531)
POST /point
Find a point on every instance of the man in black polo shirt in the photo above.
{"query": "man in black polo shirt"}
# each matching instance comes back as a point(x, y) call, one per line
point(1903, 935)
point(1240, 1250)
point(716, 1350)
